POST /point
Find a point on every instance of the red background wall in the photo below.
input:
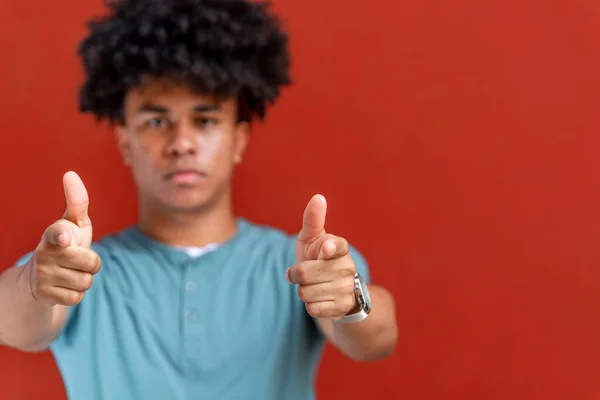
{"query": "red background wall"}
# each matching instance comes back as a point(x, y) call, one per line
point(456, 142)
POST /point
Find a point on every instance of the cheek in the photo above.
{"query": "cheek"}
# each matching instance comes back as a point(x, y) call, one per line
point(144, 156)
point(214, 150)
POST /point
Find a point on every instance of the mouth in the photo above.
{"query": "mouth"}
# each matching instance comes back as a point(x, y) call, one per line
point(185, 176)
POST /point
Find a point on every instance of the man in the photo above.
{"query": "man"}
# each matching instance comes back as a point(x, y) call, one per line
point(193, 302)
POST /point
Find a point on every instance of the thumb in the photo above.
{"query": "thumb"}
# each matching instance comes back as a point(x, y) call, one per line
point(313, 222)
point(77, 200)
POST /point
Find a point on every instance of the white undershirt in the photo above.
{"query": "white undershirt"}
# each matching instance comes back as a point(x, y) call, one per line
point(196, 252)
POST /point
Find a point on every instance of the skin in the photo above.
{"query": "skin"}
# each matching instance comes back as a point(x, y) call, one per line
point(170, 128)
point(34, 299)
point(182, 149)
point(324, 273)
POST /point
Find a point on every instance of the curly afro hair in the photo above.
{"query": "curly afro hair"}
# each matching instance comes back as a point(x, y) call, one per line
point(221, 48)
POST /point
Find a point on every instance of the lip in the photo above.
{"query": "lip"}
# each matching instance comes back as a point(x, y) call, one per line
point(185, 175)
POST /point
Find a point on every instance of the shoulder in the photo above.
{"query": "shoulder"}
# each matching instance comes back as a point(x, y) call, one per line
point(282, 244)
point(278, 245)
point(256, 239)
point(129, 244)
point(124, 240)
point(257, 233)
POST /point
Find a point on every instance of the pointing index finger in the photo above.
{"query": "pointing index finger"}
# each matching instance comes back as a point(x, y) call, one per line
point(333, 247)
point(60, 234)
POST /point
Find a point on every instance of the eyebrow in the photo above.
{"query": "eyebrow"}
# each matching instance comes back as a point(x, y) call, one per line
point(207, 108)
point(151, 108)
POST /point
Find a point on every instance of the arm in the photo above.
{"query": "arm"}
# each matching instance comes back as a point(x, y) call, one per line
point(34, 298)
point(371, 339)
point(25, 323)
point(324, 272)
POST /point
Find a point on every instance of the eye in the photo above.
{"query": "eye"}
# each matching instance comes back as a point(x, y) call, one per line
point(158, 123)
point(205, 122)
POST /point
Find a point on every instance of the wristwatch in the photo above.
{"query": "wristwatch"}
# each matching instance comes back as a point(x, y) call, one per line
point(362, 298)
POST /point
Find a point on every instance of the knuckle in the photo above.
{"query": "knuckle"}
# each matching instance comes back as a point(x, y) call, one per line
point(72, 298)
point(61, 224)
point(303, 293)
point(97, 263)
point(42, 270)
point(348, 269)
point(85, 257)
point(56, 227)
point(86, 281)
point(313, 309)
point(349, 284)
point(302, 271)
point(51, 228)
point(93, 262)
point(316, 310)
point(343, 243)
point(91, 259)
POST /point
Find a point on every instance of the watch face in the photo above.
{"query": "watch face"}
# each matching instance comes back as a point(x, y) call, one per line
point(365, 293)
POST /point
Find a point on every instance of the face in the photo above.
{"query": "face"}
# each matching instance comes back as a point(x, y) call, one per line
point(181, 147)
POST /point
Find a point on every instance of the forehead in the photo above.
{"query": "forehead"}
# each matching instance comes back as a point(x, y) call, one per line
point(173, 96)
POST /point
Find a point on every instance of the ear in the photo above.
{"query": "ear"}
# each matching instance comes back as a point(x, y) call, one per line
point(123, 144)
point(242, 137)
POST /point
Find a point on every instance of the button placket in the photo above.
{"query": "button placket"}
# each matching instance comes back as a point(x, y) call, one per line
point(191, 313)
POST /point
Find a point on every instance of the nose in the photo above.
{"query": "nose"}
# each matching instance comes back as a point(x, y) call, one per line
point(182, 141)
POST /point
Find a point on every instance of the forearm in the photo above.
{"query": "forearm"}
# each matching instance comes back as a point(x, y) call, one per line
point(24, 323)
point(371, 339)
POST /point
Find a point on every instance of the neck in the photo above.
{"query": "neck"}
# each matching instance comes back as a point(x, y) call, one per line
point(198, 228)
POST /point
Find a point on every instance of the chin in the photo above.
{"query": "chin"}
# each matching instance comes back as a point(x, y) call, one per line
point(189, 199)
point(187, 204)
point(187, 207)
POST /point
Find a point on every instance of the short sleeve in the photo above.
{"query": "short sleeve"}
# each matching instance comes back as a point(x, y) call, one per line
point(24, 259)
point(362, 266)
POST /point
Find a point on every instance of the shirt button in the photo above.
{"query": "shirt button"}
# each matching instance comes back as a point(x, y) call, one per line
point(191, 315)
point(190, 287)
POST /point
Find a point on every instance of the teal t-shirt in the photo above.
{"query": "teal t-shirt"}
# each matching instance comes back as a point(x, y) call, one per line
point(159, 323)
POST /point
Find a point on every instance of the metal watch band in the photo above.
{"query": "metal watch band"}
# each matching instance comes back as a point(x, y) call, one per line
point(363, 300)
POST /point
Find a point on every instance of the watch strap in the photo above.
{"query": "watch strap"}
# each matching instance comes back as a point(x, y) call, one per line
point(356, 317)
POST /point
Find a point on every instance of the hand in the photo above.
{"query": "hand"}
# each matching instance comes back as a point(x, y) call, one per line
point(63, 265)
point(324, 269)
